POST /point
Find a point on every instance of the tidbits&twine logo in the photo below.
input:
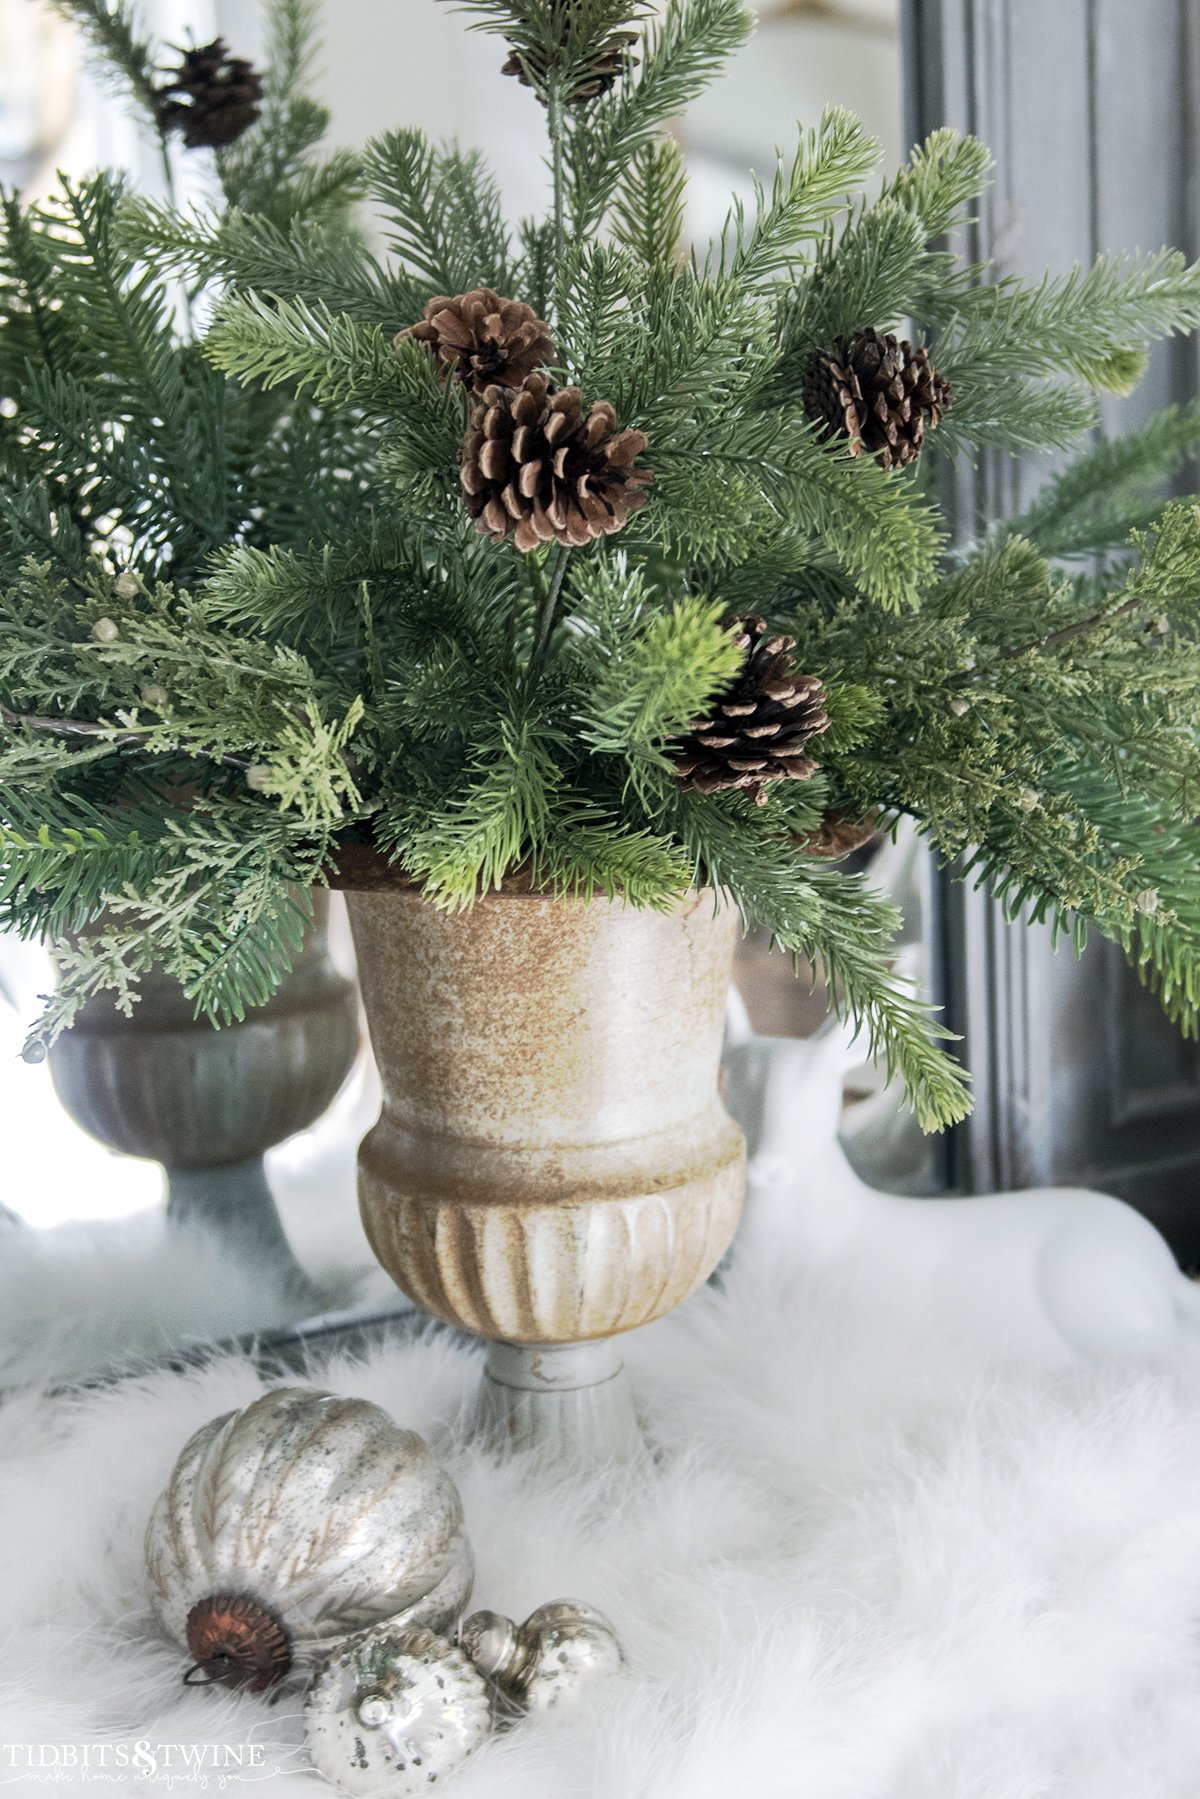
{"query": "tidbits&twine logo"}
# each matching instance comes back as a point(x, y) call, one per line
point(143, 1762)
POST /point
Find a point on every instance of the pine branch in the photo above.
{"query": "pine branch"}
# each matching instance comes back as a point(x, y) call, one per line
point(942, 175)
point(680, 55)
point(314, 264)
point(828, 164)
point(589, 851)
point(1083, 322)
point(834, 921)
point(487, 827)
point(1008, 413)
point(872, 270)
point(292, 43)
point(1103, 497)
point(311, 350)
point(648, 213)
point(769, 479)
point(444, 212)
point(269, 171)
point(645, 673)
point(220, 913)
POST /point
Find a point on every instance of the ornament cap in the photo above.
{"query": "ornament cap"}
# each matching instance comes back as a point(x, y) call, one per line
point(237, 1642)
point(493, 1643)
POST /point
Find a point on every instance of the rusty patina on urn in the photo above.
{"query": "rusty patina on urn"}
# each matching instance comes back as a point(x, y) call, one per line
point(553, 1165)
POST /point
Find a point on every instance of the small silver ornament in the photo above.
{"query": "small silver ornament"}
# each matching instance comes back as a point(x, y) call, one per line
point(547, 1661)
point(393, 1711)
point(299, 1519)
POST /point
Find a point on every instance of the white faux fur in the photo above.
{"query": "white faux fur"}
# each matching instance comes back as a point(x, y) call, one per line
point(853, 1574)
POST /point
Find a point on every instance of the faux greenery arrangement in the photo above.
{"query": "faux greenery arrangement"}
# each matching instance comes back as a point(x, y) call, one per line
point(434, 558)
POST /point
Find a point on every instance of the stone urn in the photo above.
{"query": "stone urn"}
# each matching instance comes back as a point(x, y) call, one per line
point(208, 1103)
point(553, 1165)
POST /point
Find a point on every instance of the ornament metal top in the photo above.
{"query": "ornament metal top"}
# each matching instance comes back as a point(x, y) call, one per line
point(548, 1660)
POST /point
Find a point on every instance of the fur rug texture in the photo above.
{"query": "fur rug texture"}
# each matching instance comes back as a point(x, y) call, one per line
point(854, 1572)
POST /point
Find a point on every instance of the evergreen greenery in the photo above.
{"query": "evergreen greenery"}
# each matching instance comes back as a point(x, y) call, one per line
point(246, 618)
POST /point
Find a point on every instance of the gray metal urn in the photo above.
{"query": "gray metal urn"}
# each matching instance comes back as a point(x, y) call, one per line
point(553, 1165)
point(208, 1103)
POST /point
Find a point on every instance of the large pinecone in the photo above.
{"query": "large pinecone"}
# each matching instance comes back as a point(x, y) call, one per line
point(211, 98)
point(757, 731)
point(878, 393)
point(483, 338)
point(606, 69)
point(534, 466)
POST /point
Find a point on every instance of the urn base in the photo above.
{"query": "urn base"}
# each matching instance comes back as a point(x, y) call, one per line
point(234, 1207)
point(568, 1403)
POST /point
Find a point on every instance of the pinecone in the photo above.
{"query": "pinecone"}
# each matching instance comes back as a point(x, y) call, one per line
point(839, 834)
point(211, 98)
point(533, 465)
point(757, 731)
point(607, 66)
point(879, 393)
point(483, 338)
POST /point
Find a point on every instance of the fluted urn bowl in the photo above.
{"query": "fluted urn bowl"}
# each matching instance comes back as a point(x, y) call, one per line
point(208, 1103)
point(553, 1164)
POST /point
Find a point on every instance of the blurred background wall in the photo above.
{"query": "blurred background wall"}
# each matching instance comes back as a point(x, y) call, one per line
point(389, 62)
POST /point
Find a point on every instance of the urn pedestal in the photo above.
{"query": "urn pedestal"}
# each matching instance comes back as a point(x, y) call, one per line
point(553, 1165)
point(208, 1103)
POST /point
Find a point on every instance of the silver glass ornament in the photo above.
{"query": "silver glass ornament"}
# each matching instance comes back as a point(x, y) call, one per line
point(393, 1711)
point(299, 1519)
point(547, 1661)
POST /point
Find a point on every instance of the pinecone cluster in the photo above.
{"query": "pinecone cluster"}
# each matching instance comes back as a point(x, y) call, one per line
point(535, 467)
point(606, 69)
point(758, 731)
point(877, 393)
point(483, 339)
point(211, 98)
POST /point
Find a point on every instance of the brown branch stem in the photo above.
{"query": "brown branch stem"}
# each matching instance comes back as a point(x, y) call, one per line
point(1054, 638)
point(82, 727)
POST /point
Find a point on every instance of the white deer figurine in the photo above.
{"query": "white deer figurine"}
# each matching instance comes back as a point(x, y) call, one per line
point(1053, 1276)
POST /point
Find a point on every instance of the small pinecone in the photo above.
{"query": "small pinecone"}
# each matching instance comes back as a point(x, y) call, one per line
point(839, 834)
point(878, 393)
point(211, 98)
point(533, 465)
point(482, 338)
point(607, 68)
point(757, 731)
